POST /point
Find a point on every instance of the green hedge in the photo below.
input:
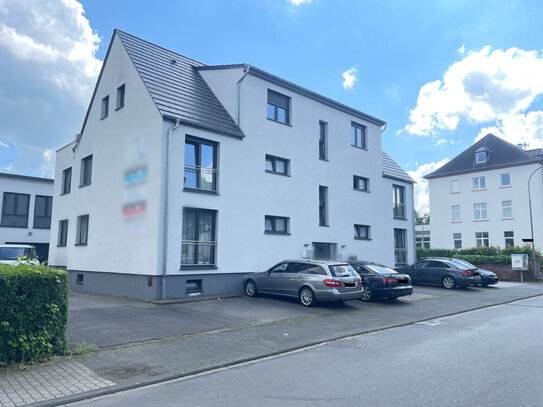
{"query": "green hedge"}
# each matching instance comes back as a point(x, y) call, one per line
point(33, 312)
point(479, 255)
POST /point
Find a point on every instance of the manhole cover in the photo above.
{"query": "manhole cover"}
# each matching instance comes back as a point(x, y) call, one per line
point(347, 343)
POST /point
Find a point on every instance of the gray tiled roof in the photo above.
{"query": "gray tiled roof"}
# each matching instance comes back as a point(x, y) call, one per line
point(391, 169)
point(177, 88)
point(26, 177)
point(501, 154)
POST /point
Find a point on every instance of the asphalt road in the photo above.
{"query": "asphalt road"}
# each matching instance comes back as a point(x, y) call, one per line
point(489, 357)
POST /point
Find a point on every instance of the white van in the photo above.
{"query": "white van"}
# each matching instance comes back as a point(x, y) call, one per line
point(17, 253)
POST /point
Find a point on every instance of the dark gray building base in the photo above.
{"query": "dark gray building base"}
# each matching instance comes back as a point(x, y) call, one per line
point(150, 287)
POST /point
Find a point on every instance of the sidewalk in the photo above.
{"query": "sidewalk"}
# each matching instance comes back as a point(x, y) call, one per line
point(170, 341)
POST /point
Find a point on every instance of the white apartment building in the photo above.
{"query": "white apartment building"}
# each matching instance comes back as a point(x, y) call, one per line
point(185, 177)
point(26, 211)
point(481, 196)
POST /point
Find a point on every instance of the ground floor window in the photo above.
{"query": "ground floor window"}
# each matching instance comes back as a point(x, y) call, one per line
point(423, 241)
point(509, 239)
point(481, 239)
point(400, 247)
point(457, 237)
point(199, 238)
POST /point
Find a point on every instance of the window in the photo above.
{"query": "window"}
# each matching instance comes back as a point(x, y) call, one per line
point(105, 107)
point(398, 199)
point(505, 179)
point(66, 181)
point(42, 212)
point(362, 232)
point(120, 96)
point(507, 208)
point(358, 135)
point(455, 187)
point(323, 206)
point(277, 165)
point(455, 212)
point(200, 165)
point(199, 238)
point(481, 239)
point(457, 237)
point(276, 225)
point(480, 211)
point(479, 183)
point(400, 247)
point(480, 157)
point(15, 210)
point(323, 140)
point(361, 183)
point(86, 171)
point(509, 239)
point(423, 241)
point(278, 107)
point(62, 233)
point(82, 230)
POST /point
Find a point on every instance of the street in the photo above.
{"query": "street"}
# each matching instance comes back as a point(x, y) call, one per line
point(492, 356)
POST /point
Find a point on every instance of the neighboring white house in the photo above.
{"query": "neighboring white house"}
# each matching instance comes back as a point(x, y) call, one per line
point(185, 177)
point(26, 211)
point(422, 235)
point(481, 196)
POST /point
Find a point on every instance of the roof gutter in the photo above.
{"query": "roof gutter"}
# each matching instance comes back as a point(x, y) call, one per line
point(246, 69)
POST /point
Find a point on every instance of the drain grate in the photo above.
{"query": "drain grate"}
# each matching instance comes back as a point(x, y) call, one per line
point(347, 343)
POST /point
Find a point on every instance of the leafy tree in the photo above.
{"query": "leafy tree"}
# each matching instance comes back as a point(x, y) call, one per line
point(422, 220)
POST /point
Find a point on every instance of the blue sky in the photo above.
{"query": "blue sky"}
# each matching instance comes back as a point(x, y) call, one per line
point(441, 73)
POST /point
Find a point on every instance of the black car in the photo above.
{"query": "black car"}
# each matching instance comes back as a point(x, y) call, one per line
point(380, 281)
point(487, 276)
point(446, 272)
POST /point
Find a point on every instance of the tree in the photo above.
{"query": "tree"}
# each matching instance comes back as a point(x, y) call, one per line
point(422, 220)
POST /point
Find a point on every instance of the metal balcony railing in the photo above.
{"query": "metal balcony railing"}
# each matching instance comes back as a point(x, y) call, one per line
point(398, 210)
point(198, 253)
point(200, 178)
point(400, 257)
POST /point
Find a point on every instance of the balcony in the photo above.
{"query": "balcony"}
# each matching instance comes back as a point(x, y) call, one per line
point(398, 210)
point(200, 179)
point(198, 253)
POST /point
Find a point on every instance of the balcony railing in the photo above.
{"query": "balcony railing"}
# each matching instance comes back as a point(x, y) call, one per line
point(197, 253)
point(400, 257)
point(398, 210)
point(200, 178)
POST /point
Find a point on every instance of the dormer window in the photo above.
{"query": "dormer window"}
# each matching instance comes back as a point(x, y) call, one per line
point(481, 156)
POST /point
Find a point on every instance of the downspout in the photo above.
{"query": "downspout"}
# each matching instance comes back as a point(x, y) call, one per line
point(166, 199)
point(238, 85)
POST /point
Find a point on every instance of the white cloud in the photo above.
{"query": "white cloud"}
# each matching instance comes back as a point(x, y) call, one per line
point(298, 2)
point(422, 203)
point(441, 141)
point(3, 145)
point(484, 86)
point(349, 78)
point(518, 129)
point(461, 50)
point(393, 93)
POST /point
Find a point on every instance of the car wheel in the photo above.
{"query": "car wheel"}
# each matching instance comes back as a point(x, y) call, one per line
point(367, 293)
point(250, 289)
point(307, 297)
point(448, 282)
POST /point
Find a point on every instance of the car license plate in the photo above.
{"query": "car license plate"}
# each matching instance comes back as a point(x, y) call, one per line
point(350, 284)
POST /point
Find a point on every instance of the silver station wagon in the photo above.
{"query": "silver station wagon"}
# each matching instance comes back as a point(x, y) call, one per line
point(308, 280)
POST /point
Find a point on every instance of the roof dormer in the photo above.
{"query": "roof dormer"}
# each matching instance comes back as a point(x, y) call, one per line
point(481, 155)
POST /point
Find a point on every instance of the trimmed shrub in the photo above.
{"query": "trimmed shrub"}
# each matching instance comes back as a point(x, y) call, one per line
point(33, 312)
point(479, 255)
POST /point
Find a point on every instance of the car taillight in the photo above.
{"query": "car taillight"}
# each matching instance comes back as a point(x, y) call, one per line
point(467, 273)
point(332, 283)
point(359, 281)
point(390, 280)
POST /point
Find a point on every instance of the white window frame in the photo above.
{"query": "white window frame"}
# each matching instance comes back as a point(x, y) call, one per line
point(501, 179)
point(477, 184)
point(455, 186)
point(480, 211)
point(507, 209)
point(478, 160)
point(482, 239)
point(455, 212)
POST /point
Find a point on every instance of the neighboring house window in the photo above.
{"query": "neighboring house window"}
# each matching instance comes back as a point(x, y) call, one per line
point(400, 247)
point(480, 157)
point(323, 140)
point(15, 210)
point(199, 238)
point(105, 107)
point(505, 179)
point(455, 187)
point(42, 212)
point(120, 96)
point(358, 135)
point(479, 183)
point(66, 181)
point(278, 107)
point(323, 206)
point(457, 237)
point(361, 183)
point(507, 207)
point(82, 234)
point(86, 171)
point(362, 232)
point(200, 165)
point(509, 239)
point(481, 239)
point(423, 241)
point(62, 233)
point(480, 211)
point(277, 165)
point(398, 199)
point(276, 225)
point(455, 212)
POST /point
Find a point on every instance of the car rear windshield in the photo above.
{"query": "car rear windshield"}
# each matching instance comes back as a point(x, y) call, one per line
point(16, 253)
point(461, 265)
point(342, 270)
point(380, 269)
point(465, 263)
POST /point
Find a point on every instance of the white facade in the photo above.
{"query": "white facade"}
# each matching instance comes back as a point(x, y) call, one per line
point(136, 143)
point(469, 219)
point(27, 228)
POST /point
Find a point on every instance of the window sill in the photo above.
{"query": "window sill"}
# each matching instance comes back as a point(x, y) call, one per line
point(277, 121)
point(85, 185)
point(14, 227)
point(324, 159)
point(361, 190)
point(277, 173)
point(80, 244)
point(479, 189)
point(456, 221)
point(276, 233)
point(480, 220)
point(119, 107)
point(508, 218)
point(61, 245)
point(200, 191)
point(324, 226)
point(103, 117)
point(457, 192)
point(506, 186)
point(198, 267)
point(65, 193)
point(400, 218)
point(36, 227)
point(360, 148)
point(362, 238)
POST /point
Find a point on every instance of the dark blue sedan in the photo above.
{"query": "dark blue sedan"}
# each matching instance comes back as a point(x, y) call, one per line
point(380, 281)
